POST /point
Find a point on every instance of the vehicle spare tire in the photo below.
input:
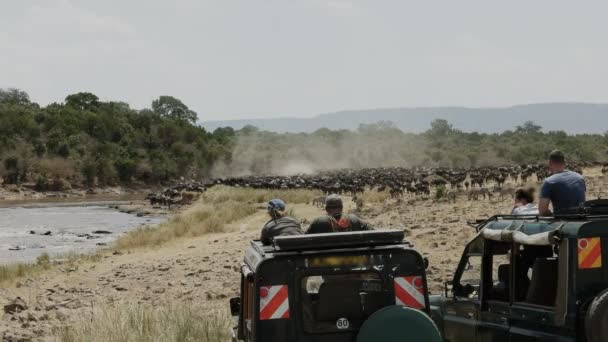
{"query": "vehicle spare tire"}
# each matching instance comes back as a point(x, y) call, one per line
point(596, 320)
point(399, 324)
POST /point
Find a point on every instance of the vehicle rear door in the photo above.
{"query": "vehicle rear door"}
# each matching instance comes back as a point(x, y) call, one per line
point(540, 312)
point(462, 311)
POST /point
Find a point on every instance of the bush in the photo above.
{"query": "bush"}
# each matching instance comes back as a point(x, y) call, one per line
point(126, 169)
point(42, 183)
point(59, 184)
point(441, 192)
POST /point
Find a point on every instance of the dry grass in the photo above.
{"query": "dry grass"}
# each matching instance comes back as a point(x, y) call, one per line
point(375, 196)
point(11, 272)
point(254, 196)
point(14, 271)
point(132, 323)
point(211, 213)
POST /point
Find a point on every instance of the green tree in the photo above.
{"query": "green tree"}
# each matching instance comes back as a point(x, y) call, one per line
point(12, 96)
point(440, 128)
point(529, 127)
point(82, 101)
point(170, 107)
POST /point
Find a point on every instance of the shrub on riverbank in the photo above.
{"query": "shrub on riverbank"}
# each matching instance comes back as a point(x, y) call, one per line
point(132, 323)
point(211, 213)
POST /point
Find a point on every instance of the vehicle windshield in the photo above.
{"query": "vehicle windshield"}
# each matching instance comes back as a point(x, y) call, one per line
point(332, 303)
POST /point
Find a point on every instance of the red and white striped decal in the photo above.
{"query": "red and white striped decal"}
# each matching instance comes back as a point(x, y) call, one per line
point(409, 291)
point(274, 302)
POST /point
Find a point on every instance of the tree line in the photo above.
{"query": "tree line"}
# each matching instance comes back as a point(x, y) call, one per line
point(85, 142)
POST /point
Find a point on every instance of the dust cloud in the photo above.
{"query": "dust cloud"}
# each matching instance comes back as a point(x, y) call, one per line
point(263, 153)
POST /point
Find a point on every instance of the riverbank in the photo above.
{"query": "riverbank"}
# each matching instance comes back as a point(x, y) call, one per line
point(187, 266)
point(10, 194)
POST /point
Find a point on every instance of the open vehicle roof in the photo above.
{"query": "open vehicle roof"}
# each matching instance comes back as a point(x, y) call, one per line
point(504, 227)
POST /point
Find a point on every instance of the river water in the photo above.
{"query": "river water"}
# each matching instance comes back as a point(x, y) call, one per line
point(71, 229)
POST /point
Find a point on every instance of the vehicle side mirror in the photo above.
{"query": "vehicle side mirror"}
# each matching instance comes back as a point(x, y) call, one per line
point(426, 263)
point(235, 306)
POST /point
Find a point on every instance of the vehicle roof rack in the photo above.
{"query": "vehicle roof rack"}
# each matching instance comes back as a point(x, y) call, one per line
point(338, 240)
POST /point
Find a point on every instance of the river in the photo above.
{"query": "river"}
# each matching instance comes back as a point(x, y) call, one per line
point(69, 227)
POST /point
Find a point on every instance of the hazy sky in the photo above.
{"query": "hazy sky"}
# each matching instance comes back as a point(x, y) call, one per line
point(270, 58)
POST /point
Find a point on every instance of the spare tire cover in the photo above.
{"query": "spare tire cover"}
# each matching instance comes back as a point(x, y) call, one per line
point(399, 324)
point(596, 320)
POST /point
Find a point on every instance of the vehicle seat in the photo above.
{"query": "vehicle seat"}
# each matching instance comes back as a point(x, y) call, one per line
point(339, 299)
point(500, 290)
point(543, 286)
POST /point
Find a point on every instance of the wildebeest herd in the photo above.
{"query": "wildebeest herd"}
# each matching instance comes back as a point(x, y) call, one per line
point(476, 183)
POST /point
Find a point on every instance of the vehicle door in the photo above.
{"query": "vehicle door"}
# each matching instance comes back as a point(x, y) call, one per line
point(462, 310)
point(496, 301)
point(540, 304)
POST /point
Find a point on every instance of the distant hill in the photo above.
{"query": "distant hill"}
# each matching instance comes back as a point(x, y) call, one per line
point(569, 117)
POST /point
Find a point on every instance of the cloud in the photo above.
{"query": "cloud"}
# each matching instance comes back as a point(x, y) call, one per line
point(61, 20)
point(334, 7)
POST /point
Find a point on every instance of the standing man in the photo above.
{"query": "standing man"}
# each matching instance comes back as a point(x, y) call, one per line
point(335, 220)
point(564, 189)
point(279, 224)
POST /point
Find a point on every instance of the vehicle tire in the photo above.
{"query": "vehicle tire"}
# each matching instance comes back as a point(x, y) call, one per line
point(399, 324)
point(596, 320)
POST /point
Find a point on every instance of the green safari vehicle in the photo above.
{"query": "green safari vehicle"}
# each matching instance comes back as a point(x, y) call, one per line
point(530, 278)
point(339, 287)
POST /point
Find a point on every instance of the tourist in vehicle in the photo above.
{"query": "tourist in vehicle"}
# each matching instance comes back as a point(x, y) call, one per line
point(524, 202)
point(564, 189)
point(280, 223)
point(336, 220)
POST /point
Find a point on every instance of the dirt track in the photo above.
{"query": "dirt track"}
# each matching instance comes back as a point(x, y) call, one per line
point(204, 270)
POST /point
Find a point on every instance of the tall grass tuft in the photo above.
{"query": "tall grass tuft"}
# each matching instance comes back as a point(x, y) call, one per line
point(132, 323)
point(13, 271)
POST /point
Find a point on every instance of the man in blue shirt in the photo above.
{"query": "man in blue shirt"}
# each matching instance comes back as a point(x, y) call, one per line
point(564, 189)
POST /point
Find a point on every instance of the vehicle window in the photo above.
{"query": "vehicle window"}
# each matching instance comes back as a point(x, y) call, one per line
point(333, 303)
point(470, 280)
point(501, 270)
point(536, 275)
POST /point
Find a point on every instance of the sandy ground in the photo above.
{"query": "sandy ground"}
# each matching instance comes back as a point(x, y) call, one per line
point(205, 269)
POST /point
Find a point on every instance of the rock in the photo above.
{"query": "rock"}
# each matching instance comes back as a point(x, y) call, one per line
point(32, 232)
point(120, 289)
point(102, 232)
point(16, 306)
point(48, 233)
point(101, 244)
point(61, 315)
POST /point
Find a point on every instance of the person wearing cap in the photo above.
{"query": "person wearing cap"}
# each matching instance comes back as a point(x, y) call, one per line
point(564, 189)
point(279, 223)
point(336, 220)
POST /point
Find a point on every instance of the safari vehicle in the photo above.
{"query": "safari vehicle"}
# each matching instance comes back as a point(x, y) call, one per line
point(338, 287)
point(529, 278)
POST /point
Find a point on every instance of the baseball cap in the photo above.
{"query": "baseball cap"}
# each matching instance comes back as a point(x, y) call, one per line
point(333, 201)
point(276, 204)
